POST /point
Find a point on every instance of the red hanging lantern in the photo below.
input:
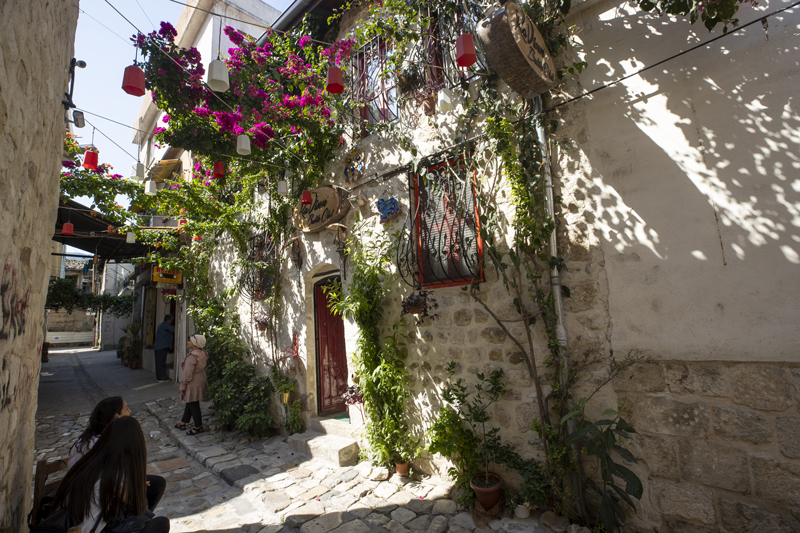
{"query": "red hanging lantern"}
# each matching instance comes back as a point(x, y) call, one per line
point(133, 81)
point(198, 237)
point(335, 82)
point(90, 160)
point(219, 169)
point(181, 223)
point(465, 50)
point(66, 229)
point(305, 198)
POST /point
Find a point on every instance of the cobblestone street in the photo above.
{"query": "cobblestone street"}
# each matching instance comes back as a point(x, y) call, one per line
point(226, 481)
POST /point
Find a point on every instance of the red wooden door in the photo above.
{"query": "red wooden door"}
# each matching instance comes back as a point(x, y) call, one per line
point(331, 356)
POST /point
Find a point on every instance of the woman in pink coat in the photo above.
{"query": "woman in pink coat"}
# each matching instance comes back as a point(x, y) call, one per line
point(194, 383)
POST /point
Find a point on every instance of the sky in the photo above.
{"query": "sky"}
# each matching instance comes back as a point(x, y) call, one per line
point(102, 41)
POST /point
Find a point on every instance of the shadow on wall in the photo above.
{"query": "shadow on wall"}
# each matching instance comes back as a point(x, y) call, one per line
point(691, 190)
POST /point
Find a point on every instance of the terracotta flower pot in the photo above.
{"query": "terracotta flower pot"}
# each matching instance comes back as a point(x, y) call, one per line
point(415, 309)
point(401, 469)
point(488, 496)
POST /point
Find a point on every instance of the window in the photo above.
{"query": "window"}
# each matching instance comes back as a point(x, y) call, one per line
point(441, 244)
point(377, 97)
point(256, 283)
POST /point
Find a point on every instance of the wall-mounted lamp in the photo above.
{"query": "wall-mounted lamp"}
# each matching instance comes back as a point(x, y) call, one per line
point(68, 104)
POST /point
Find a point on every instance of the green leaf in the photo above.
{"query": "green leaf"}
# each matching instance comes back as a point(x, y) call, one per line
point(607, 513)
point(624, 496)
point(609, 412)
point(624, 453)
point(633, 483)
point(569, 416)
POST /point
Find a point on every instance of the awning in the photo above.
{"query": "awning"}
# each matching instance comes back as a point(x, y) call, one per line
point(90, 233)
point(163, 170)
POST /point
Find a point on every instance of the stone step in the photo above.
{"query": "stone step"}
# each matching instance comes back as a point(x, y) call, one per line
point(339, 451)
point(331, 426)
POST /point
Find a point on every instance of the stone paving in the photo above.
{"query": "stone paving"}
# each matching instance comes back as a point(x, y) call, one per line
point(227, 481)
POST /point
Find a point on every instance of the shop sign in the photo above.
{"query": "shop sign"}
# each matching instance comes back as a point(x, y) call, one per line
point(172, 277)
point(329, 204)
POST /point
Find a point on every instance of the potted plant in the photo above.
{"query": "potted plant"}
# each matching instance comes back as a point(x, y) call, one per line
point(460, 432)
point(354, 396)
point(133, 345)
point(284, 385)
point(121, 347)
point(421, 303)
point(406, 449)
point(262, 321)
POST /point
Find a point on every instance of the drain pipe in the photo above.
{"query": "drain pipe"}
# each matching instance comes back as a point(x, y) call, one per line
point(555, 289)
point(555, 276)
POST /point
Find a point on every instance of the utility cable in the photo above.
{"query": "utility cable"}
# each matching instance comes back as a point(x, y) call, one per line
point(110, 139)
point(402, 168)
point(103, 25)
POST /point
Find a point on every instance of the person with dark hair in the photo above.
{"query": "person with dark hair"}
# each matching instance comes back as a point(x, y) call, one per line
point(194, 384)
point(109, 482)
point(164, 343)
point(104, 413)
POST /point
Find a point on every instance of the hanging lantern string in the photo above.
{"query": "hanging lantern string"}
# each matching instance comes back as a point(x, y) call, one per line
point(270, 28)
point(210, 90)
point(219, 35)
point(110, 139)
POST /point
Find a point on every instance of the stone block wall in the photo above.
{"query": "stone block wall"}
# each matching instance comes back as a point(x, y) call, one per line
point(718, 443)
point(36, 43)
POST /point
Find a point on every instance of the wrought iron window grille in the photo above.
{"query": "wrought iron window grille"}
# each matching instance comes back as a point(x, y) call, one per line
point(373, 91)
point(435, 55)
point(440, 244)
point(256, 283)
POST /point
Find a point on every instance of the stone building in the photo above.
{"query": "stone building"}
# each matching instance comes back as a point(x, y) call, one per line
point(34, 74)
point(75, 328)
point(678, 226)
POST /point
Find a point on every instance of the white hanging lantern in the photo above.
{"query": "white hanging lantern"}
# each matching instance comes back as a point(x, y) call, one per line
point(130, 237)
point(218, 76)
point(243, 145)
point(150, 188)
point(137, 171)
point(283, 188)
point(445, 103)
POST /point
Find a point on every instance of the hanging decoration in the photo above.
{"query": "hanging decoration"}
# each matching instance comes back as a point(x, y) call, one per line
point(243, 145)
point(217, 78)
point(340, 240)
point(388, 209)
point(90, 157)
point(150, 188)
point(67, 228)
point(326, 205)
point(137, 171)
point(219, 169)
point(445, 102)
point(130, 237)
point(133, 79)
point(354, 166)
point(517, 51)
point(283, 188)
point(305, 197)
point(335, 80)
point(295, 252)
point(465, 50)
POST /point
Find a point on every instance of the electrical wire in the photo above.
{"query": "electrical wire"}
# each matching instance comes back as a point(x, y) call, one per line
point(145, 14)
point(245, 21)
point(110, 139)
point(106, 27)
point(397, 170)
point(112, 120)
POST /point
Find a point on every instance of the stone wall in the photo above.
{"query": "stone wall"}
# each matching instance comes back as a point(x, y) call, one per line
point(36, 43)
point(718, 444)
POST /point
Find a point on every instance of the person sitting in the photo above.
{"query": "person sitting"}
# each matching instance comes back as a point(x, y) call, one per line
point(105, 412)
point(108, 483)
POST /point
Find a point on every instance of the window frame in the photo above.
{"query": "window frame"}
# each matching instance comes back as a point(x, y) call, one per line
point(365, 79)
point(417, 234)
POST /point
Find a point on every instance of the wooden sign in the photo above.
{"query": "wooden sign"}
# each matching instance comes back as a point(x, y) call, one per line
point(329, 204)
point(516, 50)
point(161, 275)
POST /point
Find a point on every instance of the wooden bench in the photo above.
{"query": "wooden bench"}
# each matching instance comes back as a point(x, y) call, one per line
point(42, 488)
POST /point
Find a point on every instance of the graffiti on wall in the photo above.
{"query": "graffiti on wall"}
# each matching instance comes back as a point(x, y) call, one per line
point(13, 303)
point(27, 379)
